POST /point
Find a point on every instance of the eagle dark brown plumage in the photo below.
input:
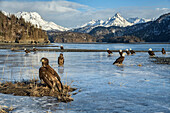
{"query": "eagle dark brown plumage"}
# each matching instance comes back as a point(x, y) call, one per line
point(120, 52)
point(150, 52)
point(132, 51)
point(127, 52)
point(27, 51)
point(163, 51)
point(61, 60)
point(34, 49)
point(61, 47)
point(120, 59)
point(109, 52)
point(50, 76)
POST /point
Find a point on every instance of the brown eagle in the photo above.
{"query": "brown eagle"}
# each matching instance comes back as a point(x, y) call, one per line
point(150, 52)
point(163, 51)
point(127, 52)
point(61, 47)
point(109, 52)
point(34, 49)
point(120, 59)
point(60, 60)
point(50, 76)
point(132, 51)
point(26, 50)
point(120, 52)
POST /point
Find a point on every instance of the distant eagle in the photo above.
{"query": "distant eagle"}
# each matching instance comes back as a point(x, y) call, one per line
point(120, 52)
point(163, 51)
point(109, 52)
point(60, 60)
point(132, 51)
point(50, 76)
point(34, 49)
point(120, 59)
point(27, 51)
point(151, 53)
point(61, 47)
point(127, 52)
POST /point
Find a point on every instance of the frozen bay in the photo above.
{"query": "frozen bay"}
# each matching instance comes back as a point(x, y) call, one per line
point(103, 87)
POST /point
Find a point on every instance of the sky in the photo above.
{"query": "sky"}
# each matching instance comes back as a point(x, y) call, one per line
point(73, 13)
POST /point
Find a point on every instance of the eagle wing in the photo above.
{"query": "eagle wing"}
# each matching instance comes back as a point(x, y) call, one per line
point(60, 60)
point(132, 52)
point(109, 52)
point(151, 53)
point(127, 52)
point(43, 75)
point(119, 60)
point(57, 79)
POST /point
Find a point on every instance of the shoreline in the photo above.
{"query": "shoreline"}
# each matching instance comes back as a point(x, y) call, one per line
point(20, 47)
point(44, 44)
point(72, 50)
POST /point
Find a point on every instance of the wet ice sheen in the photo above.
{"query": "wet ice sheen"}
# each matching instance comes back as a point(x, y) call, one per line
point(104, 87)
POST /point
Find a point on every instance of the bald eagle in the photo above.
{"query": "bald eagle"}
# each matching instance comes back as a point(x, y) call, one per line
point(50, 76)
point(34, 49)
point(127, 52)
point(163, 51)
point(61, 47)
point(27, 51)
point(120, 59)
point(120, 52)
point(60, 60)
point(151, 53)
point(109, 52)
point(132, 51)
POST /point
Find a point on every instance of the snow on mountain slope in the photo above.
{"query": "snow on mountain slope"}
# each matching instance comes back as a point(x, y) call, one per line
point(35, 19)
point(94, 23)
point(117, 20)
point(138, 20)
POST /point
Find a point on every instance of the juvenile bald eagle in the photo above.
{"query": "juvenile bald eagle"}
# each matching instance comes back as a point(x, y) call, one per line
point(61, 47)
point(120, 52)
point(50, 76)
point(132, 51)
point(163, 51)
point(127, 52)
point(120, 59)
point(151, 53)
point(109, 52)
point(60, 60)
point(27, 51)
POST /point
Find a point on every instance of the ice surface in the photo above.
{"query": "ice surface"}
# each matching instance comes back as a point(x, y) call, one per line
point(104, 87)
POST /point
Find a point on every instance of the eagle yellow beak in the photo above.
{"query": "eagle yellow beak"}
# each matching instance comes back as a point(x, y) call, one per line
point(42, 60)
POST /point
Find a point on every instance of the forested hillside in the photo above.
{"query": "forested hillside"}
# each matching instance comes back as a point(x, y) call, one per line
point(16, 30)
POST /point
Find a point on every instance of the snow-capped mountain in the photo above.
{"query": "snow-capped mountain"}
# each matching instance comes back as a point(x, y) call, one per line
point(36, 19)
point(138, 20)
point(94, 23)
point(154, 31)
point(117, 20)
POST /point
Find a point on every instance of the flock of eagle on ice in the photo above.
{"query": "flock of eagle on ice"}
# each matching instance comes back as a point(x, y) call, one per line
point(50, 77)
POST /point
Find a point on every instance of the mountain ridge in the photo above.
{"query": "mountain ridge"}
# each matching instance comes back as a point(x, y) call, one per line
point(152, 31)
point(116, 20)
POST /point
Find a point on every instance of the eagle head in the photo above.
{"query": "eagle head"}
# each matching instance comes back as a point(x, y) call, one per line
point(44, 61)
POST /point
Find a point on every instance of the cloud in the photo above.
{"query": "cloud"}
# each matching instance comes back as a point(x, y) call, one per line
point(71, 14)
point(58, 11)
point(142, 12)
